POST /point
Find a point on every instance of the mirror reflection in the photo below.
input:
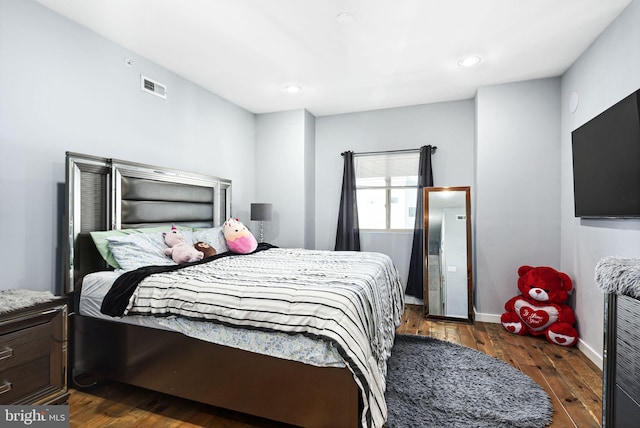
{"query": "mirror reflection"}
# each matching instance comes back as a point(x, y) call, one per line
point(448, 253)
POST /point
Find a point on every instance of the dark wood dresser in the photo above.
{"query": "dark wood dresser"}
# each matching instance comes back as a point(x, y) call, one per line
point(619, 278)
point(621, 383)
point(33, 354)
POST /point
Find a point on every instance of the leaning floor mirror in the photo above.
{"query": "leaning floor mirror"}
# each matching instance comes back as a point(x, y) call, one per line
point(448, 280)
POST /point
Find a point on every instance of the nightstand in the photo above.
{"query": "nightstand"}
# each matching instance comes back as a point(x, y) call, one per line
point(33, 354)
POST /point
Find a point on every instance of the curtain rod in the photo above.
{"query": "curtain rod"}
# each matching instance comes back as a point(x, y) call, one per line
point(383, 152)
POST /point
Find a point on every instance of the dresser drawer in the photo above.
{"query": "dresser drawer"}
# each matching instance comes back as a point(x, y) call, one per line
point(33, 354)
point(19, 381)
point(24, 345)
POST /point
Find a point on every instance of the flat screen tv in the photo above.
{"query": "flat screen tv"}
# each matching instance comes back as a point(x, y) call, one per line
point(606, 162)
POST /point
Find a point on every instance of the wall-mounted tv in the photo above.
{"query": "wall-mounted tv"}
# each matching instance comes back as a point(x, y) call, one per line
point(606, 162)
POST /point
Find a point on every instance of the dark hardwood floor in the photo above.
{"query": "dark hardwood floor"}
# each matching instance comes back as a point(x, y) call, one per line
point(572, 381)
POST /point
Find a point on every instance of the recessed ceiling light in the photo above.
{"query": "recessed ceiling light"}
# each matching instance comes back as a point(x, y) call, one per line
point(344, 17)
point(469, 61)
point(292, 88)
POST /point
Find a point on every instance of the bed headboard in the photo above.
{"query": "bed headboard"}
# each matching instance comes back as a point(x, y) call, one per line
point(106, 194)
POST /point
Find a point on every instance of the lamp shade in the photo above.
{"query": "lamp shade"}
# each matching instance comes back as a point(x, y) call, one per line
point(261, 212)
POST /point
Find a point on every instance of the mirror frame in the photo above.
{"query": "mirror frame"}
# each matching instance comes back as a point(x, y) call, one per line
point(470, 314)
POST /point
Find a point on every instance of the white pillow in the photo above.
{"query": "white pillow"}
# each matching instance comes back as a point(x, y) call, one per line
point(100, 239)
point(213, 236)
point(140, 249)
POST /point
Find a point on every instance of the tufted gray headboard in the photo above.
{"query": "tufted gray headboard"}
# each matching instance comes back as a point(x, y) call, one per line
point(106, 194)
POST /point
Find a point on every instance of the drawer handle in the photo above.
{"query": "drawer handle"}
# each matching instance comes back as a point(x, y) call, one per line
point(5, 388)
point(6, 353)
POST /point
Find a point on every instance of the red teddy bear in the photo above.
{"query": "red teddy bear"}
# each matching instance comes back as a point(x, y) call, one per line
point(541, 308)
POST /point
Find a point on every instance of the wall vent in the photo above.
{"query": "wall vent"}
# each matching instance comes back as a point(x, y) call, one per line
point(153, 87)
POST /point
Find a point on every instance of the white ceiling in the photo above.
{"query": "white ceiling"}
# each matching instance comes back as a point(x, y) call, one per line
point(394, 53)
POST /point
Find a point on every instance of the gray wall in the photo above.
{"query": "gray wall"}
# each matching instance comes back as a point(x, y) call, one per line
point(450, 126)
point(284, 168)
point(310, 180)
point(607, 72)
point(64, 88)
point(517, 216)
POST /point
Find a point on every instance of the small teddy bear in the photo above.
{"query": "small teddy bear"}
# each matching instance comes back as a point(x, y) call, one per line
point(206, 249)
point(239, 239)
point(541, 309)
point(179, 250)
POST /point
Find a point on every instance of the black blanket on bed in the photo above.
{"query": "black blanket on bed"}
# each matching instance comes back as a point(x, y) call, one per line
point(117, 298)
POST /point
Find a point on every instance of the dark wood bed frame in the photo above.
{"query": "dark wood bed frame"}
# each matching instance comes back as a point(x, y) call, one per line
point(166, 361)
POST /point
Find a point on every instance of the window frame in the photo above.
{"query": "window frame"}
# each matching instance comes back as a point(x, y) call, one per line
point(388, 187)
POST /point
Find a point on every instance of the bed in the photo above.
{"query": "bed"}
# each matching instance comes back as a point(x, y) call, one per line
point(315, 358)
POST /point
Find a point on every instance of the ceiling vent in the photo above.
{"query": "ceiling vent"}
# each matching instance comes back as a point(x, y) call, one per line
point(153, 87)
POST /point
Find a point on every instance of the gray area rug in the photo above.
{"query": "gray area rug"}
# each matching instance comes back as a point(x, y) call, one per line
point(432, 383)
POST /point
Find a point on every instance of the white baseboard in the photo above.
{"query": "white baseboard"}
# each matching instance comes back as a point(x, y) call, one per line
point(590, 353)
point(410, 300)
point(587, 350)
point(492, 318)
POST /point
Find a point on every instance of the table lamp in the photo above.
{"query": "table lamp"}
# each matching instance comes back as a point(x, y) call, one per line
point(261, 213)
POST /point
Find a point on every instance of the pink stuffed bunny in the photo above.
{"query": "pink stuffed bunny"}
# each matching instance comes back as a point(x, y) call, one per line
point(179, 250)
point(239, 239)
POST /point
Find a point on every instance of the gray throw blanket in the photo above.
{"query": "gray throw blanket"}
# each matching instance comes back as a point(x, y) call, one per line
point(13, 299)
point(619, 276)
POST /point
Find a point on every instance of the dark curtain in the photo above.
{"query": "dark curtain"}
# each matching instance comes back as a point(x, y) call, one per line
point(348, 233)
point(415, 284)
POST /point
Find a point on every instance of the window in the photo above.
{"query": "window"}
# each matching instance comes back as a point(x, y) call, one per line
point(386, 186)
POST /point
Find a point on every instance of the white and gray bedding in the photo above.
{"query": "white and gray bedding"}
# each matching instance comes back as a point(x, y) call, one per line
point(295, 347)
point(353, 300)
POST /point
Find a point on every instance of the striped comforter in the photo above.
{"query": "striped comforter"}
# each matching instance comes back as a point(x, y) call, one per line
point(353, 299)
